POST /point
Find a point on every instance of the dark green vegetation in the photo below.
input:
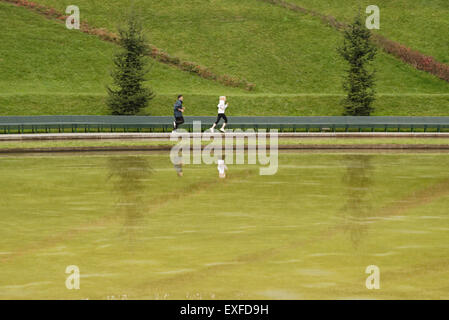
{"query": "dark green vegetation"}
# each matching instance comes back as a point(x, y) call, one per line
point(359, 83)
point(131, 71)
point(292, 58)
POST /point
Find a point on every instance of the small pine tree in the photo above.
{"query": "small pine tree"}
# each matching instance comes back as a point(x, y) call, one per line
point(129, 96)
point(359, 52)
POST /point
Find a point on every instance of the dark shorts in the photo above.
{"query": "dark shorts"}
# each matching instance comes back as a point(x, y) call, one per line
point(221, 116)
point(178, 121)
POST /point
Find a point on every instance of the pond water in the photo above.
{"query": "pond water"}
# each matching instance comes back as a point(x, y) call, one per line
point(136, 230)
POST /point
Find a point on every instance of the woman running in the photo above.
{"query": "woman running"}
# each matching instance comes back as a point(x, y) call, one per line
point(222, 105)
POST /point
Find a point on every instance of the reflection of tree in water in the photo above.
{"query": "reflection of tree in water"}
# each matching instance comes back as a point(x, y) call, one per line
point(358, 206)
point(128, 176)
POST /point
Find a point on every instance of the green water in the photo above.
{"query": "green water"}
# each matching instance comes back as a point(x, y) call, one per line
point(137, 231)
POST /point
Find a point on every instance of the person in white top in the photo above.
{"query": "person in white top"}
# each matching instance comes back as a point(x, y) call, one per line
point(222, 168)
point(222, 106)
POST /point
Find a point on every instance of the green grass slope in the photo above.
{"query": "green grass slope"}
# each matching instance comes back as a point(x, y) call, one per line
point(47, 69)
point(279, 50)
point(419, 24)
point(291, 58)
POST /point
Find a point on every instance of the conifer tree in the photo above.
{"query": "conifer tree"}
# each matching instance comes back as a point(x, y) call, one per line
point(359, 51)
point(128, 95)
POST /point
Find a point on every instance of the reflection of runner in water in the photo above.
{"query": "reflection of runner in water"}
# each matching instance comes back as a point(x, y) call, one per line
point(222, 168)
point(178, 166)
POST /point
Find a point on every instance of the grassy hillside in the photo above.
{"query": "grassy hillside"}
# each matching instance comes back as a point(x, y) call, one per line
point(47, 69)
point(419, 24)
point(279, 50)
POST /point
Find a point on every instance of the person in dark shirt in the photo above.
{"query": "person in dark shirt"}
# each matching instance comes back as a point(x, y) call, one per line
point(178, 111)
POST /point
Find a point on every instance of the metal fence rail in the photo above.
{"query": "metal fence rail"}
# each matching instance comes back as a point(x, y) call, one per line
point(34, 124)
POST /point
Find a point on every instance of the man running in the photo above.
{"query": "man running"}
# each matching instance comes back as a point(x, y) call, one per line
point(178, 110)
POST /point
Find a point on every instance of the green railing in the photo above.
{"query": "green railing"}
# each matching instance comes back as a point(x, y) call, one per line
point(39, 124)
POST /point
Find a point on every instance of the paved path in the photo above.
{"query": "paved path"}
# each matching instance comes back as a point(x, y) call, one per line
point(166, 136)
